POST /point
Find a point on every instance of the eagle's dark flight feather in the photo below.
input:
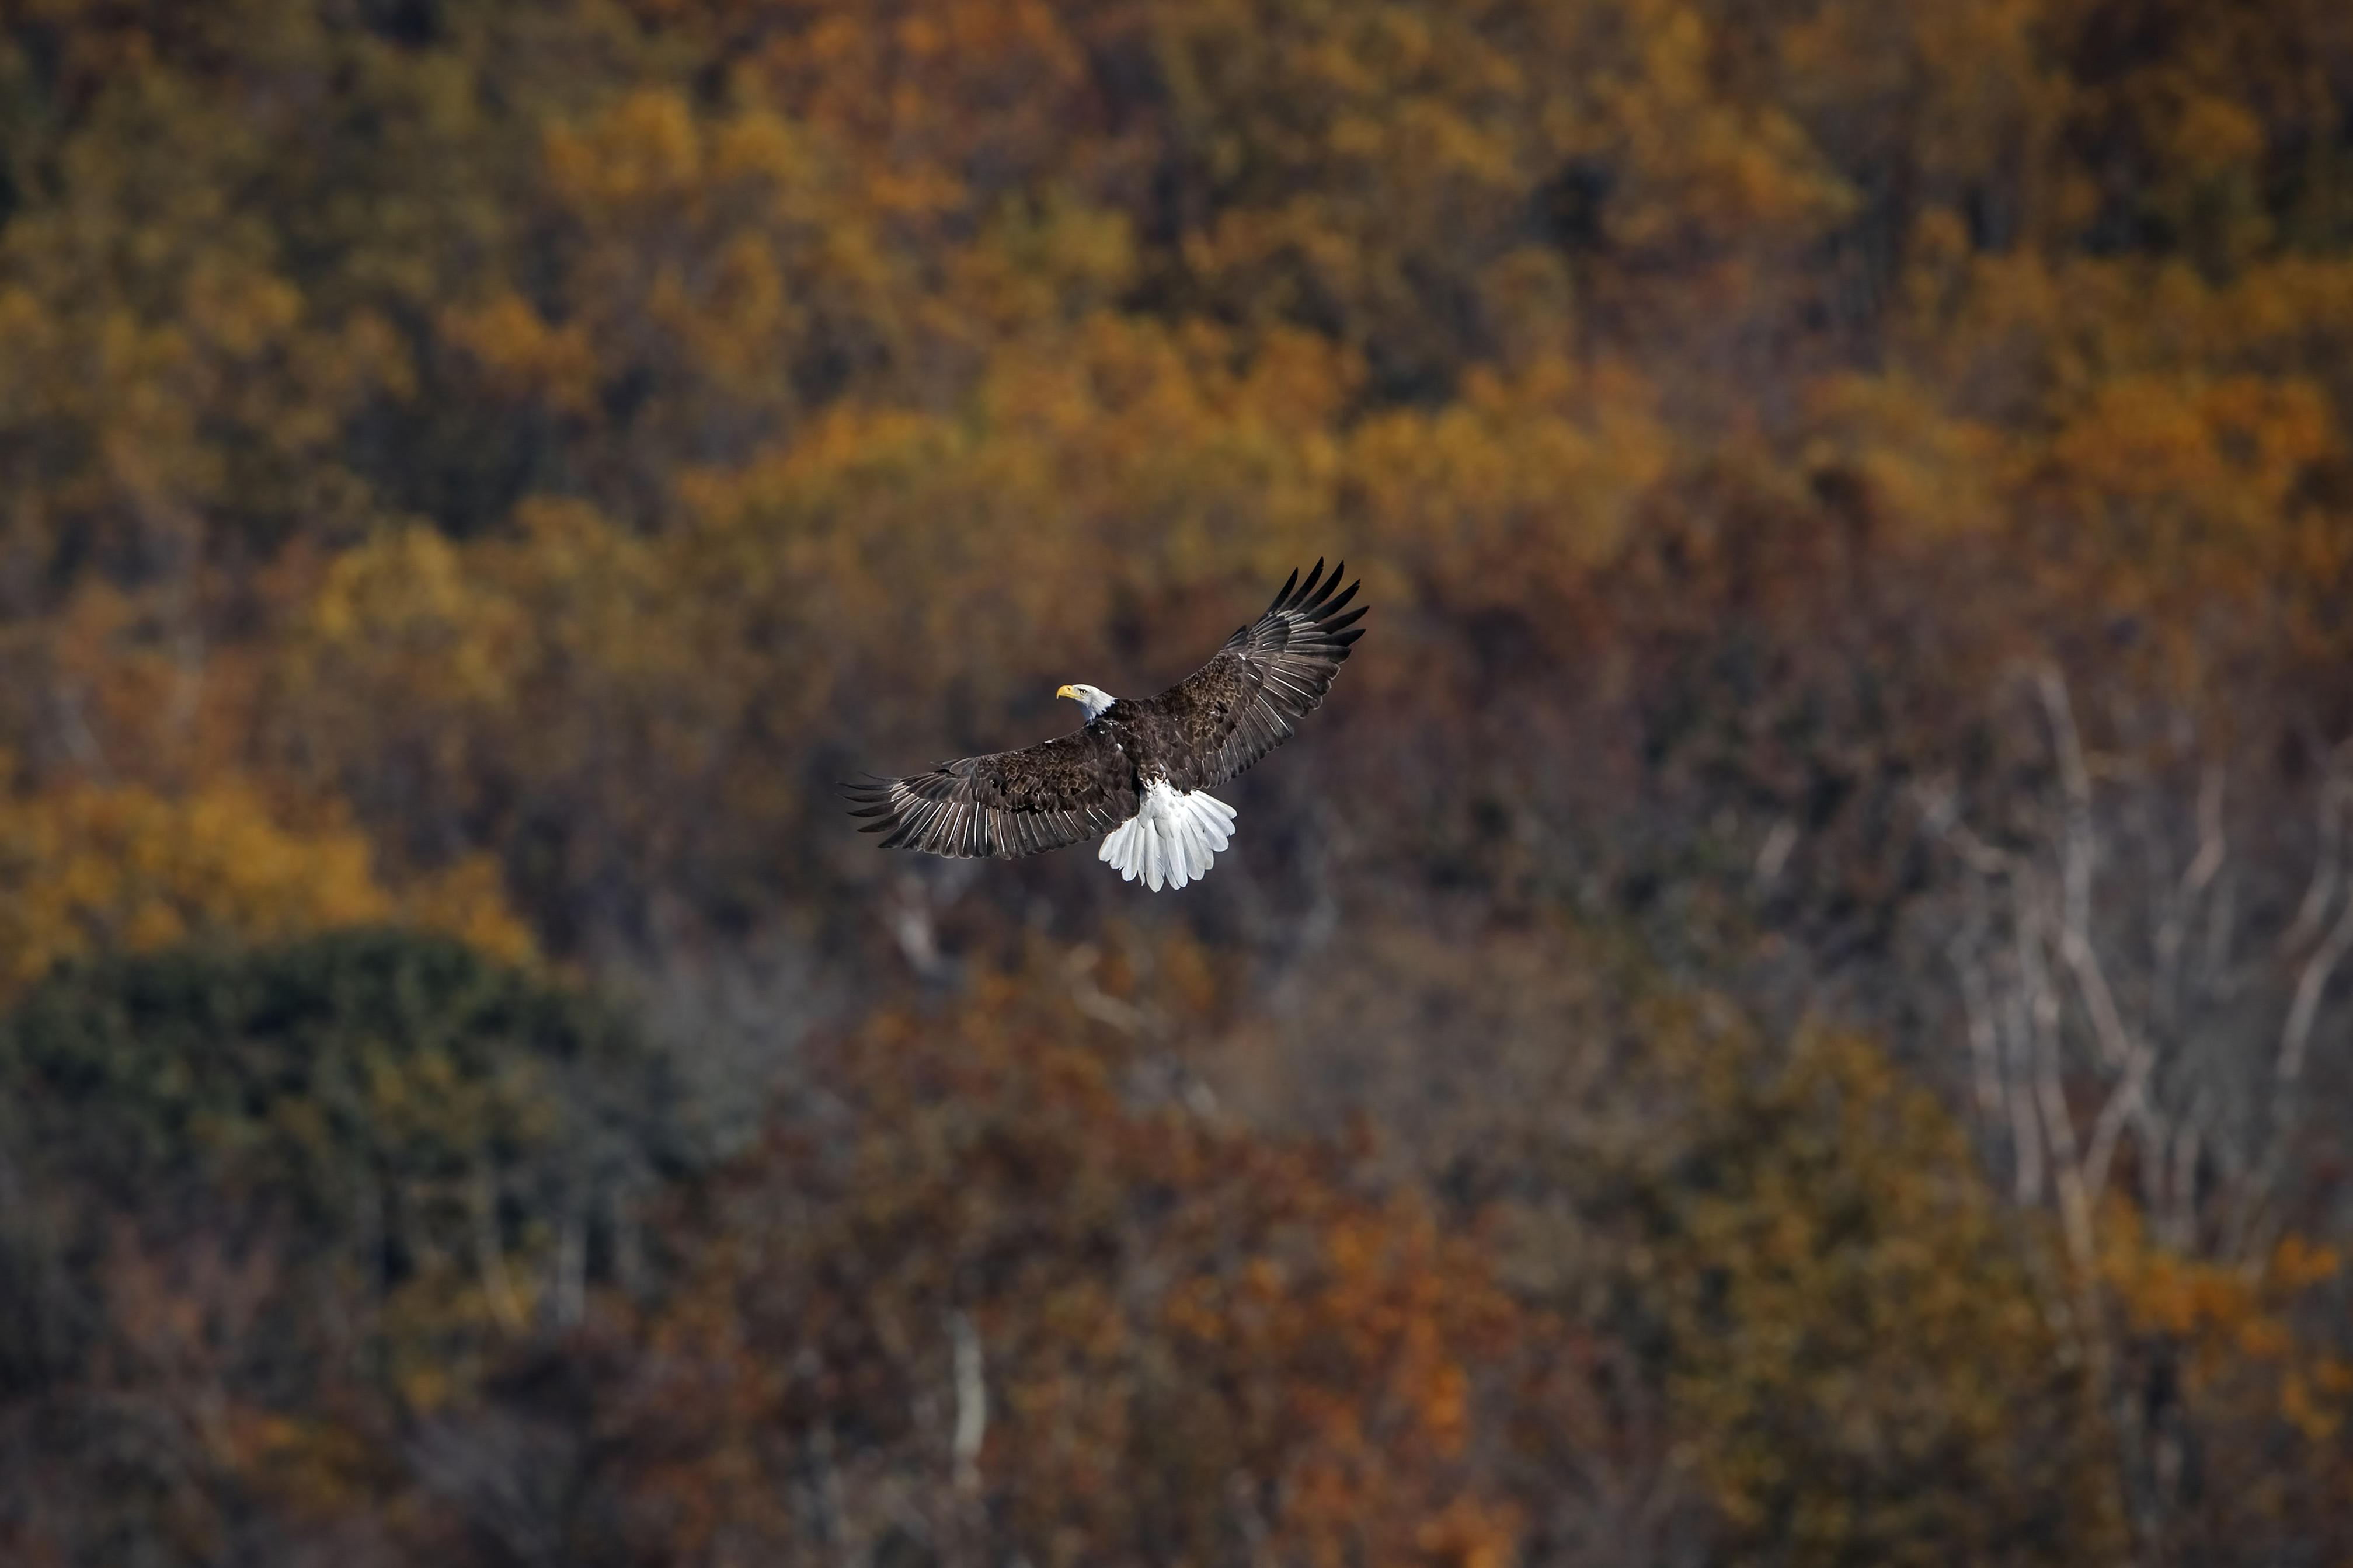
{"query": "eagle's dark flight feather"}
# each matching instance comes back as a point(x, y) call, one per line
point(1205, 728)
point(1269, 675)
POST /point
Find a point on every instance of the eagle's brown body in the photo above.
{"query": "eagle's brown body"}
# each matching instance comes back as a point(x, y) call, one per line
point(1207, 728)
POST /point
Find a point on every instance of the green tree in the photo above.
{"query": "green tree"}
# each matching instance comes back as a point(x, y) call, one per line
point(267, 1204)
point(1861, 1360)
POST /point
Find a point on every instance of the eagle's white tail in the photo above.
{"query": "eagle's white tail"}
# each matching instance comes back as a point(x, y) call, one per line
point(1171, 839)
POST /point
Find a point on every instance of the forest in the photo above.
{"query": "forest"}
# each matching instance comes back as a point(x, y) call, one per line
point(1794, 1009)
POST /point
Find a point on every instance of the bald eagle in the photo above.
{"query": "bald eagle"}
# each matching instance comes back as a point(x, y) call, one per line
point(1140, 771)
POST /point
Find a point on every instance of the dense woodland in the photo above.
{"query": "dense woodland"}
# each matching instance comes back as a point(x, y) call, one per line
point(1795, 1007)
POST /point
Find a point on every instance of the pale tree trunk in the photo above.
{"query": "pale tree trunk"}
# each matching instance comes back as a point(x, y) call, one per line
point(2103, 971)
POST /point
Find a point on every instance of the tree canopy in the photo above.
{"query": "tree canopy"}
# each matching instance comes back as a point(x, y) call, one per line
point(1794, 1008)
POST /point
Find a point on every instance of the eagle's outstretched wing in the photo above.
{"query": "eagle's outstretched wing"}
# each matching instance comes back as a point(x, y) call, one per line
point(1269, 675)
point(1058, 792)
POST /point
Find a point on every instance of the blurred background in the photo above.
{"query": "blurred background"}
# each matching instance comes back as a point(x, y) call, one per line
point(1795, 1007)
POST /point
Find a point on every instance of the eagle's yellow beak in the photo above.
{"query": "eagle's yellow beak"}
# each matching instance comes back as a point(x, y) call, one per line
point(1070, 691)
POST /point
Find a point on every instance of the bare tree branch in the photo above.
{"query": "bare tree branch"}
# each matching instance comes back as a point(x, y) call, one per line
point(2058, 1124)
point(2327, 866)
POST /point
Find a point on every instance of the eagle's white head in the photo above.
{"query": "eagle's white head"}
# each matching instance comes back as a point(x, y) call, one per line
point(1092, 699)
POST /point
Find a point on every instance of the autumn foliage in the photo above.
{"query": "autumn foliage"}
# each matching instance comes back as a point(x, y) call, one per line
point(1793, 1008)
